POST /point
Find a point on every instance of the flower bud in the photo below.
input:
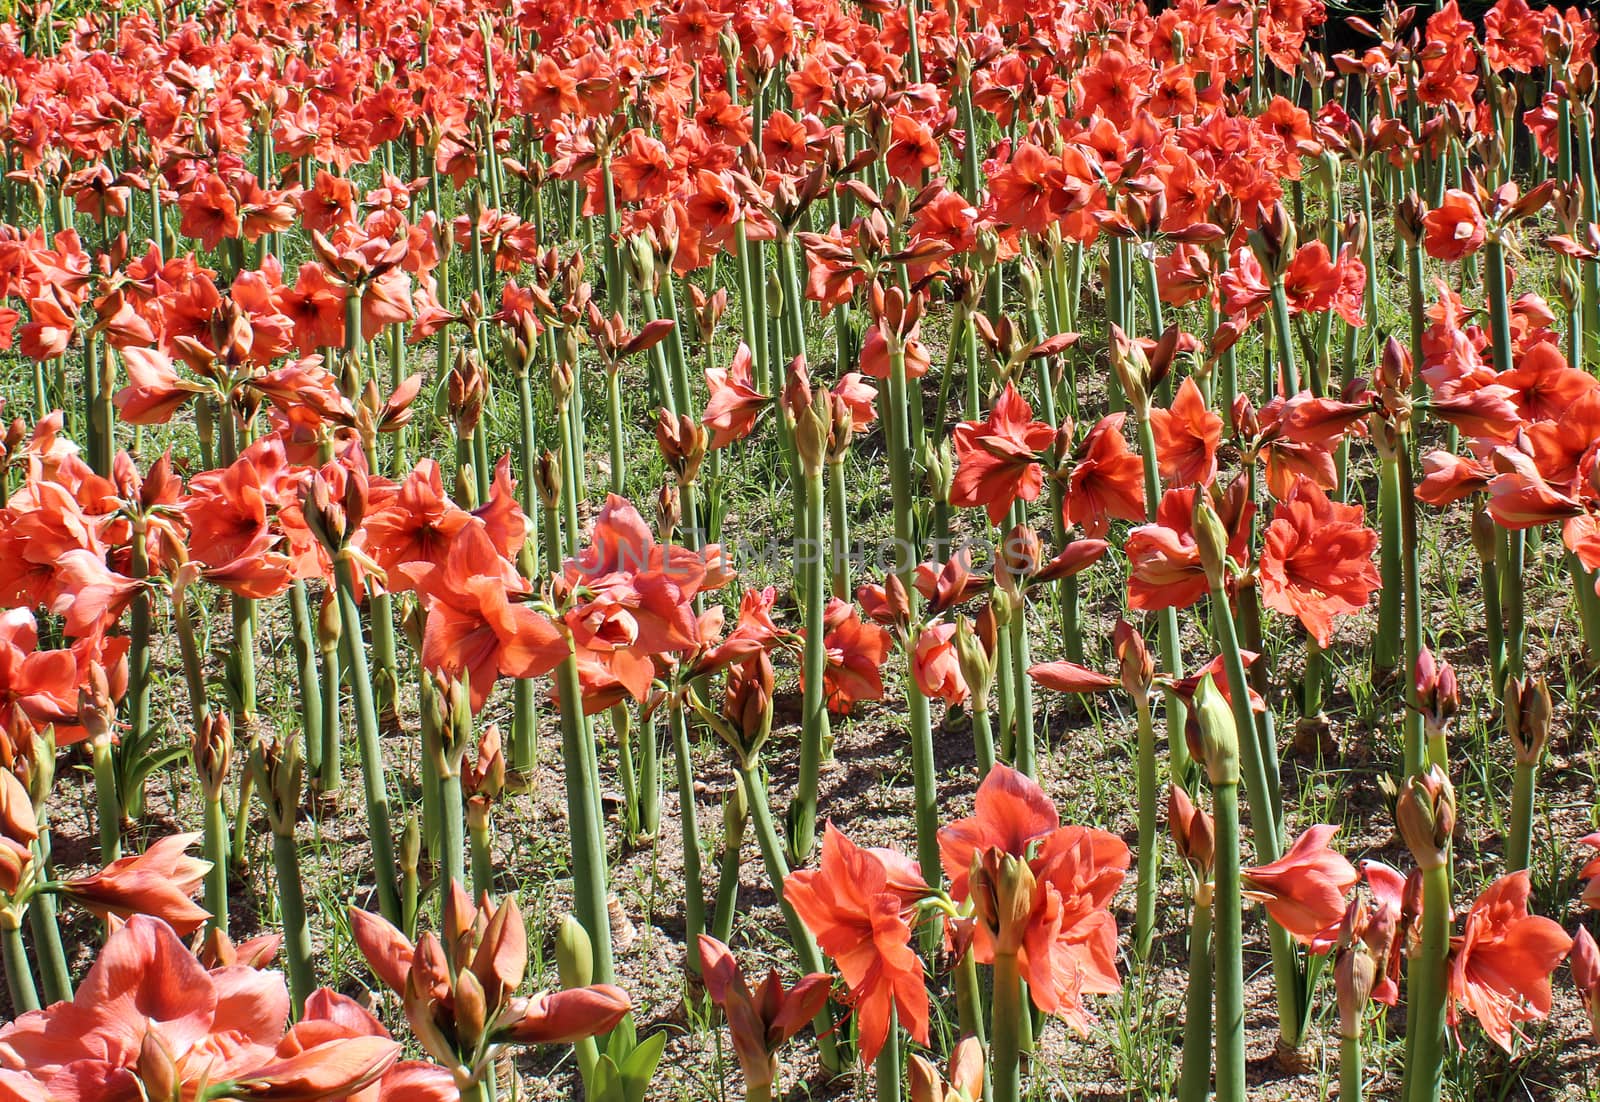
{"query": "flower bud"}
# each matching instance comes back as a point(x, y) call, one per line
point(547, 479)
point(1193, 832)
point(574, 954)
point(1355, 974)
point(1527, 714)
point(1426, 816)
point(977, 663)
point(1438, 696)
point(1136, 664)
point(1132, 366)
point(158, 1069)
point(1216, 741)
point(1211, 538)
point(212, 750)
point(1002, 891)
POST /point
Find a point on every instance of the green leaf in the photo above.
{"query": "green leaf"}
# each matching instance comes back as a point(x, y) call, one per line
point(640, 1066)
point(606, 1084)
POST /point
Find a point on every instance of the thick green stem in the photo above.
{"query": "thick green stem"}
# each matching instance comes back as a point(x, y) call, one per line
point(1007, 1012)
point(889, 1070)
point(1519, 845)
point(332, 749)
point(452, 850)
point(296, 928)
point(589, 876)
point(305, 657)
point(1350, 1061)
point(54, 975)
point(1149, 853)
point(694, 898)
point(1194, 1076)
point(814, 710)
point(1386, 643)
point(1288, 371)
point(482, 854)
point(982, 739)
point(649, 776)
point(1229, 933)
point(1261, 793)
point(216, 844)
point(19, 977)
point(372, 777)
point(108, 806)
point(1425, 991)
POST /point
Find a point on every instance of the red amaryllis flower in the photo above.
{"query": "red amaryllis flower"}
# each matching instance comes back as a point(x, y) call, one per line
point(856, 653)
point(858, 905)
point(997, 461)
point(760, 1021)
point(937, 666)
point(1316, 560)
point(159, 882)
point(1164, 567)
point(1500, 965)
point(735, 404)
point(1585, 965)
point(1107, 480)
point(475, 629)
point(1591, 873)
point(1067, 946)
point(149, 1018)
point(1304, 889)
point(633, 596)
point(43, 684)
point(1455, 228)
point(1187, 436)
point(419, 524)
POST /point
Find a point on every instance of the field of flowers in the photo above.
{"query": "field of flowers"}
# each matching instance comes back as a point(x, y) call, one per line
point(960, 552)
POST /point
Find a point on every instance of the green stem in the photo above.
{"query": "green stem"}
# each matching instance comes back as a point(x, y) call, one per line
point(1229, 933)
point(1519, 846)
point(108, 807)
point(19, 977)
point(216, 843)
point(482, 854)
point(1194, 1077)
point(589, 876)
point(1425, 991)
point(1006, 1017)
point(305, 657)
point(296, 928)
point(814, 710)
point(1350, 1060)
point(452, 857)
point(694, 900)
point(1149, 853)
point(54, 975)
point(888, 1071)
point(372, 778)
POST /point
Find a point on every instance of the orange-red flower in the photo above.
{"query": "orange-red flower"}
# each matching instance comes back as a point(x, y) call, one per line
point(997, 461)
point(1187, 436)
point(160, 882)
point(1316, 560)
point(1304, 889)
point(735, 404)
point(1500, 965)
point(858, 904)
point(149, 1021)
point(1067, 946)
point(1455, 228)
